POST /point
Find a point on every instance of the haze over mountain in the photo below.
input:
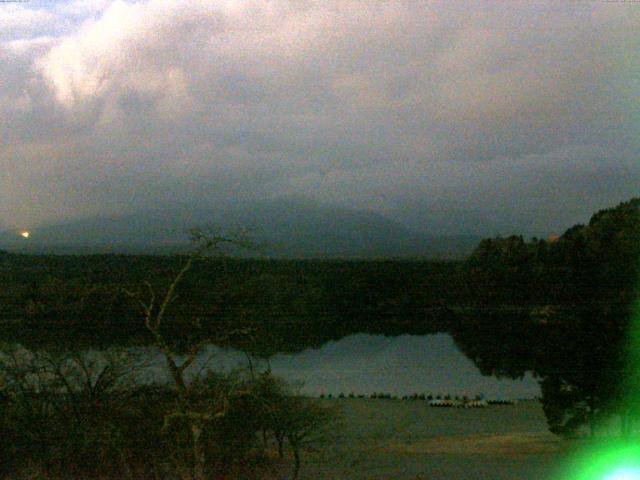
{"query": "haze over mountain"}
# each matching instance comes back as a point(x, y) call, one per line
point(288, 227)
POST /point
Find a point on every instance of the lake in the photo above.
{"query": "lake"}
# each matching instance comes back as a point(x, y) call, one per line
point(363, 364)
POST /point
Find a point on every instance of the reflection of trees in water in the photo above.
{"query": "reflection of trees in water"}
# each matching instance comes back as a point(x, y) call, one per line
point(574, 336)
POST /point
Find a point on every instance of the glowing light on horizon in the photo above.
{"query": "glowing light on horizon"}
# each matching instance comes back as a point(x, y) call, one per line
point(25, 234)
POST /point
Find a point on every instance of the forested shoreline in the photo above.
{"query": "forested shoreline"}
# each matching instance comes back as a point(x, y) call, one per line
point(322, 300)
point(78, 296)
point(560, 308)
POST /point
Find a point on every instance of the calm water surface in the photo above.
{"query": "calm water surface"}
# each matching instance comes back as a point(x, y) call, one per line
point(374, 363)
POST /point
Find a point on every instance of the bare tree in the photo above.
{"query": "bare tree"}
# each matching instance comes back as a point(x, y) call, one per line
point(154, 306)
point(70, 401)
point(305, 424)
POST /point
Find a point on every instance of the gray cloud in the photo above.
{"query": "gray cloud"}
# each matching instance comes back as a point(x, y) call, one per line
point(522, 113)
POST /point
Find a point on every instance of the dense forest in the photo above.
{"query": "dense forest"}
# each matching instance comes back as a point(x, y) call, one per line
point(563, 309)
point(83, 298)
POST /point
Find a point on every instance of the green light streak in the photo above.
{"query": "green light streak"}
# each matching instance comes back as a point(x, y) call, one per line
point(624, 474)
point(607, 460)
point(615, 458)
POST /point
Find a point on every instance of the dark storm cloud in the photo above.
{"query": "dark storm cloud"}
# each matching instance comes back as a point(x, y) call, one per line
point(521, 112)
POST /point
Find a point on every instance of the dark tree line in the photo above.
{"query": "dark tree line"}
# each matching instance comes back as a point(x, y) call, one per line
point(289, 304)
point(563, 309)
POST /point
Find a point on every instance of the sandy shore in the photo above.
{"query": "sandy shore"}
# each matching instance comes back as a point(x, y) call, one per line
point(387, 439)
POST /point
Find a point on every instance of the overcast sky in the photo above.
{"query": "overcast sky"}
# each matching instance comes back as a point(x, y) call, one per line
point(524, 114)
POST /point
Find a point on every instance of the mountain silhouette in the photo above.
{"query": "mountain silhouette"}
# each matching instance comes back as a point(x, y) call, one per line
point(287, 227)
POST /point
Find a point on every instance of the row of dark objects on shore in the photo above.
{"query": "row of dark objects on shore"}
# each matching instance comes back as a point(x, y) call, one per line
point(434, 400)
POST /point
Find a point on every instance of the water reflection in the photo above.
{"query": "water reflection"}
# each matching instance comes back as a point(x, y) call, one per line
point(371, 363)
